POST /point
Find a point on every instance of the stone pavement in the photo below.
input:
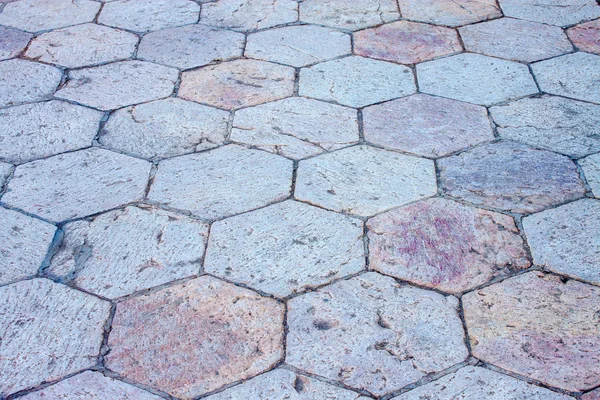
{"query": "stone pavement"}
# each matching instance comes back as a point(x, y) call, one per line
point(300, 199)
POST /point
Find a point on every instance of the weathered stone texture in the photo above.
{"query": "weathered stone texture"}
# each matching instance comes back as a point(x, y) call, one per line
point(12, 42)
point(348, 14)
point(249, 15)
point(41, 15)
point(25, 81)
point(591, 169)
point(449, 12)
point(553, 12)
point(586, 36)
point(149, 15)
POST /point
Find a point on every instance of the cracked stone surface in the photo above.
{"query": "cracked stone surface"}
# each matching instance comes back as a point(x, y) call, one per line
point(364, 180)
point(553, 123)
point(511, 177)
point(475, 79)
point(48, 331)
point(24, 81)
point(348, 14)
point(552, 12)
point(356, 81)
point(41, 15)
point(536, 325)
point(125, 251)
point(40, 130)
point(406, 42)
point(445, 245)
point(296, 127)
point(427, 126)
point(249, 15)
point(73, 185)
point(149, 15)
point(591, 169)
point(449, 12)
point(165, 128)
point(285, 248)
point(195, 337)
point(237, 84)
point(298, 46)
point(374, 334)
point(586, 36)
point(12, 42)
point(567, 239)
point(196, 182)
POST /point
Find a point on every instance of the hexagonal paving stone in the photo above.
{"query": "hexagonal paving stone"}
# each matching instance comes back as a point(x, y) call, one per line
point(149, 15)
point(554, 123)
point(282, 384)
point(445, 245)
point(48, 331)
point(364, 180)
point(165, 128)
point(127, 250)
point(41, 15)
point(22, 81)
point(536, 325)
point(449, 12)
point(511, 177)
point(82, 45)
point(225, 181)
point(514, 39)
point(406, 42)
point(374, 334)
point(91, 386)
point(296, 127)
point(73, 185)
point(298, 45)
point(348, 14)
point(5, 170)
point(195, 337)
point(591, 170)
point(285, 248)
point(356, 81)
point(573, 75)
point(249, 15)
point(120, 84)
point(586, 36)
point(12, 42)
point(475, 383)
point(426, 125)
point(553, 12)
point(593, 395)
point(476, 79)
point(190, 46)
point(567, 239)
point(237, 84)
point(40, 130)
point(24, 242)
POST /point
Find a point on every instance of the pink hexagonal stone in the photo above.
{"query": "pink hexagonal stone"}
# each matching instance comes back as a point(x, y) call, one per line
point(586, 36)
point(593, 395)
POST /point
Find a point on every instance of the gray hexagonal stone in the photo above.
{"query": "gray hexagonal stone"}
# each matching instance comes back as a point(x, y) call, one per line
point(5, 170)
point(41, 15)
point(591, 170)
point(149, 15)
point(249, 15)
point(349, 14)
point(553, 12)
point(23, 81)
point(12, 42)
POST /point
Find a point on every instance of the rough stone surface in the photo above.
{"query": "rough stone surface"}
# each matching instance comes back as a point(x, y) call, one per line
point(554, 123)
point(128, 250)
point(356, 81)
point(593, 395)
point(165, 128)
point(586, 36)
point(476, 79)
point(190, 46)
point(591, 170)
point(371, 333)
point(445, 245)
point(285, 248)
point(82, 45)
point(426, 125)
point(23, 81)
point(475, 383)
point(12, 42)
point(298, 45)
point(237, 84)
point(24, 242)
point(48, 331)
point(536, 325)
point(120, 84)
point(77, 184)
point(348, 14)
point(149, 15)
point(364, 180)
point(5, 170)
point(249, 15)
point(573, 75)
point(296, 127)
point(91, 386)
point(553, 12)
point(41, 15)
point(44, 129)
point(449, 12)
point(406, 42)
point(222, 182)
point(567, 239)
point(511, 177)
point(516, 40)
point(195, 337)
